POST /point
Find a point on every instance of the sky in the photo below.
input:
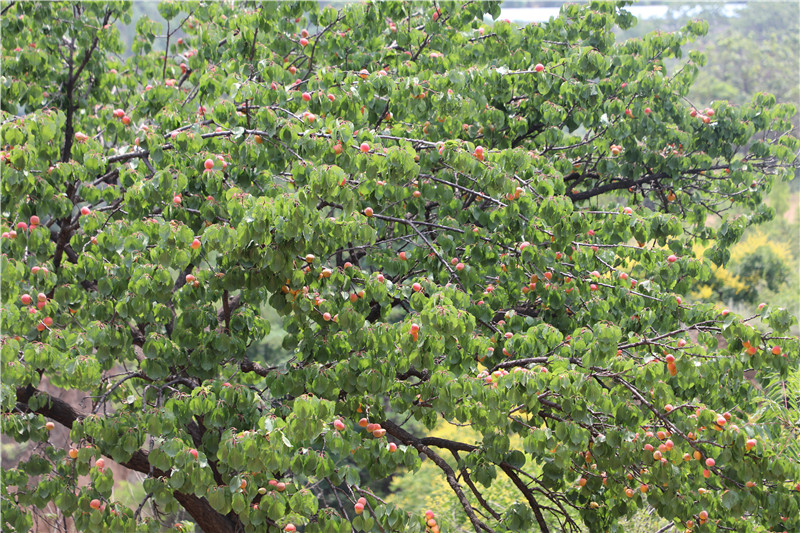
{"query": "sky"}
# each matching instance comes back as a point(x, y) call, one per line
point(543, 14)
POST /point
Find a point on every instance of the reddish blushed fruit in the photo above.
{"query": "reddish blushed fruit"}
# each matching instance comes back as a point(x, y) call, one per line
point(750, 444)
point(363, 422)
point(416, 287)
point(776, 350)
point(670, 358)
point(49, 426)
point(672, 258)
point(368, 212)
point(303, 42)
point(364, 147)
point(392, 447)
point(414, 328)
point(101, 463)
point(85, 210)
point(42, 297)
point(359, 508)
point(539, 67)
point(646, 110)
point(193, 453)
point(657, 455)
point(94, 504)
point(208, 164)
point(290, 528)
point(668, 408)
point(710, 462)
point(176, 200)
point(326, 317)
point(126, 120)
point(195, 244)
point(26, 299)
point(307, 97)
point(460, 267)
point(402, 256)
point(338, 424)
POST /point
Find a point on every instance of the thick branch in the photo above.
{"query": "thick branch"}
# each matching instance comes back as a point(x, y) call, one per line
point(63, 413)
point(614, 186)
point(537, 512)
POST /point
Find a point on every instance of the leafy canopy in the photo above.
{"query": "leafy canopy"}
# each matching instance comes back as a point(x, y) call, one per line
point(456, 217)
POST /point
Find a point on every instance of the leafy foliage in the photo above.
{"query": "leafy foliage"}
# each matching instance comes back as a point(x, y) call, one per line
point(484, 223)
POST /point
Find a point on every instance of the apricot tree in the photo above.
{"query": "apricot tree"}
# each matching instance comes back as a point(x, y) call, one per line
point(458, 219)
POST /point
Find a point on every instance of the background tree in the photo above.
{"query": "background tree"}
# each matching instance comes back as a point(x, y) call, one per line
point(487, 225)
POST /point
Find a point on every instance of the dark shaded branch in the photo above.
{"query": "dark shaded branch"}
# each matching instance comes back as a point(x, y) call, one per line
point(615, 186)
point(475, 491)
point(421, 374)
point(249, 366)
point(63, 413)
point(528, 493)
point(407, 438)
